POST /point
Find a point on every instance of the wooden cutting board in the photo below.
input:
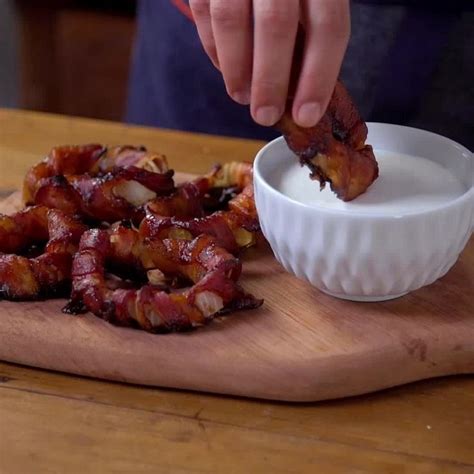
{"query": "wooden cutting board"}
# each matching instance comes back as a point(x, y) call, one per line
point(301, 345)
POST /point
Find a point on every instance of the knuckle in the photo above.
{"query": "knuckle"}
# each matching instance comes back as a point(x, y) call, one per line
point(228, 14)
point(267, 90)
point(277, 19)
point(335, 24)
point(200, 8)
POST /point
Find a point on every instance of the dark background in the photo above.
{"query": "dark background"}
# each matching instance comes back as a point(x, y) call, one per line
point(53, 51)
point(73, 57)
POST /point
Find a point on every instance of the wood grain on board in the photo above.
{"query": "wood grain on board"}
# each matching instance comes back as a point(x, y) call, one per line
point(54, 422)
point(300, 346)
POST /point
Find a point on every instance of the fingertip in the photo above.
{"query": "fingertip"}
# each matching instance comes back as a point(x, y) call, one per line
point(266, 115)
point(308, 114)
point(242, 97)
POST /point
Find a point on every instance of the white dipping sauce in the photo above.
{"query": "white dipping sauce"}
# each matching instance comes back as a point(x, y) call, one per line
point(406, 184)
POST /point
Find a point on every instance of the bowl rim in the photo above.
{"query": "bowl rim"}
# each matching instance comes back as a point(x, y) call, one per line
point(459, 201)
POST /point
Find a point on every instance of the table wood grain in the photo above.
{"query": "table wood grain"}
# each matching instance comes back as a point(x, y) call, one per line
point(50, 422)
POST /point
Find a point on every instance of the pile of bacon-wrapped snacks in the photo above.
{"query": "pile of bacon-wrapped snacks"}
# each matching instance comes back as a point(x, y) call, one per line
point(108, 228)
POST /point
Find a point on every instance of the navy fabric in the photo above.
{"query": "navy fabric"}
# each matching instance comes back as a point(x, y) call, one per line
point(407, 63)
point(410, 63)
point(173, 83)
point(429, 5)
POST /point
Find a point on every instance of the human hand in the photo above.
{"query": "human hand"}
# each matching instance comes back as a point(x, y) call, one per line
point(252, 44)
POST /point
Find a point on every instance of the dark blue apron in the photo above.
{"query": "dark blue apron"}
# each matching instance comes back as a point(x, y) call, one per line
point(174, 85)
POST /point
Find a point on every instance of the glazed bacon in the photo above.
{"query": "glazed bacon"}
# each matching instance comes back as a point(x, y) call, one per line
point(176, 241)
point(156, 307)
point(334, 150)
point(186, 202)
point(47, 274)
point(190, 198)
point(233, 229)
point(160, 258)
point(98, 183)
point(183, 213)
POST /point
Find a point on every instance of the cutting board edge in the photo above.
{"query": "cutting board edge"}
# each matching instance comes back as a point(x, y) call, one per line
point(279, 396)
point(304, 380)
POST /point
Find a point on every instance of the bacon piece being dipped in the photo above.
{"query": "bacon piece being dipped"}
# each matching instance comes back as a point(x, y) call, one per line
point(26, 272)
point(158, 305)
point(334, 150)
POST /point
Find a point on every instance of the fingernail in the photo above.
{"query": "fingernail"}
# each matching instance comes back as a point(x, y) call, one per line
point(309, 114)
point(267, 115)
point(242, 97)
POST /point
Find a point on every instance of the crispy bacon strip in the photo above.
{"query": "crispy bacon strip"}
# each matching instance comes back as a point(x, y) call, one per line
point(211, 269)
point(182, 214)
point(64, 160)
point(189, 199)
point(186, 202)
point(119, 194)
point(233, 229)
point(23, 278)
point(334, 150)
point(171, 246)
point(98, 183)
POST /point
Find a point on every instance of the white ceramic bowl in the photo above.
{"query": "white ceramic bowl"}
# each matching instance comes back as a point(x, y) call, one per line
point(360, 256)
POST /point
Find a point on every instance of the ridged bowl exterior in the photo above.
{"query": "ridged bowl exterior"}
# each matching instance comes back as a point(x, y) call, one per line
point(357, 256)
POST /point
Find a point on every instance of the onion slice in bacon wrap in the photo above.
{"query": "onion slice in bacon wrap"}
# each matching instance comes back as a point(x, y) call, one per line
point(47, 274)
point(161, 258)
point(98, 183)
point(211, 270)
point(183, 215)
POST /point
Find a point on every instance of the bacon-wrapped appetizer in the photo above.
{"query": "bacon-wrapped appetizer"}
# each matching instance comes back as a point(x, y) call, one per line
point(236, 173)
point(101, 184)
point(167, 260)
point(157, 306)
point(26, 272)
point(206, 193)
point(183, 214)
point(334, 150)
point(233, 229)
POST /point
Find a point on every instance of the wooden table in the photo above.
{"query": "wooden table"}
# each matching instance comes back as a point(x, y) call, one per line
point(50, 422)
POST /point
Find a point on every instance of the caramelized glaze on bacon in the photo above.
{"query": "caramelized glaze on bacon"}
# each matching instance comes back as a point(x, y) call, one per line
point(334, 150)
point(183, 214)
point(23, 277)
point(233, 229)
point(211, 270)
point(167, 261)
point(101, 184)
